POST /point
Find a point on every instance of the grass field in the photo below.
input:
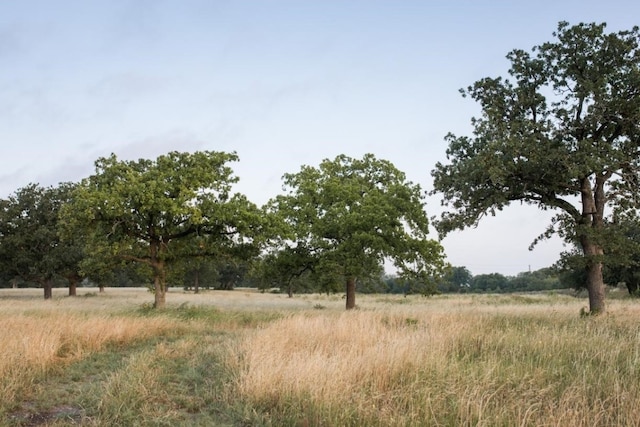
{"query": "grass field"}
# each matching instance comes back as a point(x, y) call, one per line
point(243, 358)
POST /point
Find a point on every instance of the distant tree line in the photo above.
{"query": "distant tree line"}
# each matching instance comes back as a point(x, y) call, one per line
point(460, 280)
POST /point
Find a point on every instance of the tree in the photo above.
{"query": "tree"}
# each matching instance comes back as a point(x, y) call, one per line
point(193, 272)
point(492, 282)
point(70, 246)
point(564, 135)
point(30, 243)
point(538, 280)
point(151, 212)
point(287, 267)
point(231, 273)
point(351, 215)
point(219, 266)
point(456, 279)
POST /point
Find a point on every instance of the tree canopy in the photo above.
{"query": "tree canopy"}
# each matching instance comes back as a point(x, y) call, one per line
point(152, 211)
point(563, 134)
point(349, 216)
point(30, 243)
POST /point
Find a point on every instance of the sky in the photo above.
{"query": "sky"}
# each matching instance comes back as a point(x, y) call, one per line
point(282, 83)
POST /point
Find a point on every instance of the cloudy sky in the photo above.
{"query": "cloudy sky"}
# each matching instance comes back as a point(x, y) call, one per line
point(282, 83)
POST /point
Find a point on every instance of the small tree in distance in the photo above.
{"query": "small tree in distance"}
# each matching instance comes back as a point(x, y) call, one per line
point(456, 279)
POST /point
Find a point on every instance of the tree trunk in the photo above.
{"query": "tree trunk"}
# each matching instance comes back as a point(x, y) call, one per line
point(632, 287)
point(196, 282)
point(351, 293)
point(48, 289)
point(596, 288)
point(160, 286)
point(595, 281)
point(73, 285)
point(159, 274)
point(160, 293)
point(101, 287)
point(593, 203)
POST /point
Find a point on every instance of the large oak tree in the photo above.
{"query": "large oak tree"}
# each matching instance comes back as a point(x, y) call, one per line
point(153, 211)
point(348, 216)
point(562, 133)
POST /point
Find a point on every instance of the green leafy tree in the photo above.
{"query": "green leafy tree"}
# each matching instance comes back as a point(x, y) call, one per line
point(151, 212)
point(288, 268)
point(231, 273)
point(352, 215)
point(375, 283)
point(538, 280)
point(407, 286)
point(102, 268)
point(70, 247)
point(492, 282)
point(562, 134)
point(194, 273)
point(456, 279)
point(30, 243)
point(221, 266)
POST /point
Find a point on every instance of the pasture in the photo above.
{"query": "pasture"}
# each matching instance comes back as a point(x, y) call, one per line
point(240, 358)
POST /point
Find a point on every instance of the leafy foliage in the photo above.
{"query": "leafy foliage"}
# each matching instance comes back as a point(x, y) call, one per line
point(290, 268)
point(152, 212)
point(562, 135)
point(456, 279)
point(348, 216)
point(621, 257)
point(30, 243)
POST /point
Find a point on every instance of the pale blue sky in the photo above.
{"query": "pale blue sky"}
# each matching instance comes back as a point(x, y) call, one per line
point(283, 83)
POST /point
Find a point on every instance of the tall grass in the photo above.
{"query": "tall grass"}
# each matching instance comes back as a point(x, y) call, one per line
point(33, 344)
point(243, 358)
point(110, 336)
point(501, 364)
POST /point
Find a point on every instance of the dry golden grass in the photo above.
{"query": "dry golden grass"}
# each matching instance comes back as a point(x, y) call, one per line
point(488, 360)
point(38, 336)
point(480, 360)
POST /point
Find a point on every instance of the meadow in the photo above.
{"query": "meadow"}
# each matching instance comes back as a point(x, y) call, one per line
point(244, 358)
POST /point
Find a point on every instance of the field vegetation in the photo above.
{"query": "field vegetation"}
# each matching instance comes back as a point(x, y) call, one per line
point(249, 358)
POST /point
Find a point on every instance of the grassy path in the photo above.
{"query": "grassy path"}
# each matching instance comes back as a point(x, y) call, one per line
point(174, 379)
